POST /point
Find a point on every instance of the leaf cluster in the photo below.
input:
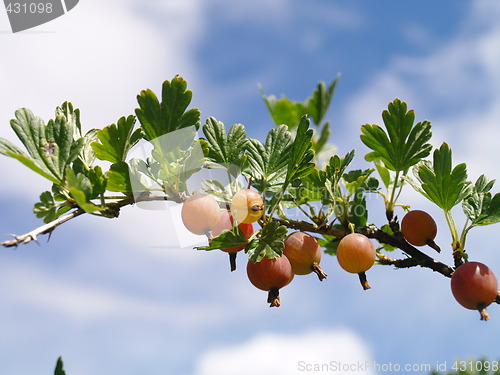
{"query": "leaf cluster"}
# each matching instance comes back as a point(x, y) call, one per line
point(284, 111)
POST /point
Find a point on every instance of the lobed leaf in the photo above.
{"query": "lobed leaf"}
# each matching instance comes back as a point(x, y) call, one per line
point(47, 209)
point(441, 184)
point(317, 105)
point(116, 140)
point(404, 144)
point(59, 370)
point(269, 244)
point(118, 178)
point(226, 150)
point(299, 164)
point(283, 111)
point(50, 148)
point(171, 114)
point(269, 162)
point(480, 207)
point(226, 239)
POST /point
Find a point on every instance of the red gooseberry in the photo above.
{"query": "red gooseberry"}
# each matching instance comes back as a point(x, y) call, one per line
point(356, 254)
point(270, 275)
point(419, 229)
point(226, 223)
point(475, 287)
point(304, 253)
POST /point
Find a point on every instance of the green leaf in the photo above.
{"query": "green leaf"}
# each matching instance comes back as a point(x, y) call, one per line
point(387, 228)
point(80, 188)
point(330, 243)
point(358, 214)
point(404, 144)
point(50, 148)
point(47, 209)
point(269, 244)
point(72, 116)
point(116, 140)
point(226, 239)
point(118, 178)
point(318, 104)
point(384, 173)
point(226, 150)
point(299, 164)
point(59, 370)
point(441, 184)
point(320, 142)
point(357, 179)
point(337, 166)
point(269, 163)
point(171, 114)
point(86, 158)
point(283, 111)
point(312, 188)
point(480, 207)
point(97, 180)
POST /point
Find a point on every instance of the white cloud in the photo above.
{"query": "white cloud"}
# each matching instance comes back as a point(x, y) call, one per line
point(98, 56)
point(456, 86)
point(311, 352)
point(41, 291)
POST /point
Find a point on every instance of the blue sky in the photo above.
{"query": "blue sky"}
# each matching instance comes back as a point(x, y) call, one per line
point(120, 297)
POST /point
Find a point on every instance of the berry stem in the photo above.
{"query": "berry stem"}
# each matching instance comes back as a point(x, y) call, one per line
point(274, 297)
point(363, 281)
point(431, 243)
point(319, 271)
point(232, 261)
point(483, 312)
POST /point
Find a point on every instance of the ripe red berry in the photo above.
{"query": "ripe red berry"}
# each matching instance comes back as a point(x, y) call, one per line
point(271, 275)
point(247, 206)
point(226, 223)
point(356, 254)
point(419, 229)
point(200, 213)
point(475, 287)
point(304, 253)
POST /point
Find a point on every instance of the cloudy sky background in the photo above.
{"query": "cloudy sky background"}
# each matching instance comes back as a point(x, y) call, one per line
point(120, 297)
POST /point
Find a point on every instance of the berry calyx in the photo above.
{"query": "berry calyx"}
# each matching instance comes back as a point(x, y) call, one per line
point(356, 254)
point(226, 223)
point(475, 287)
point(200, 213)
point(304, 253)
point(271, 275)
point(247, 206)
point(419, 229)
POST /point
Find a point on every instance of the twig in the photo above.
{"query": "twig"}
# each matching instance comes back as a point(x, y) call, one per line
point(371, 231)
point(44, 229)
point(49, 227)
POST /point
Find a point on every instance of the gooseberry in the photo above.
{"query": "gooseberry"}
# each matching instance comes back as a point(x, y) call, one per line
point(356, 254)
point(200, 213)
point(247, 206)
point(271, 275)
point(475, 287)
point(226, 223)
point(419, 229)
point(304, 253)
